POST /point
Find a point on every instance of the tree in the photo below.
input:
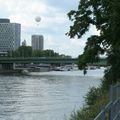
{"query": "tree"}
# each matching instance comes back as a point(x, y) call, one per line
point(105, 16)
point(23, 51)
point(38, 53)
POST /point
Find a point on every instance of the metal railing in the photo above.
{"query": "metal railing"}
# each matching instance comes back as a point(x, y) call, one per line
point(112, 110)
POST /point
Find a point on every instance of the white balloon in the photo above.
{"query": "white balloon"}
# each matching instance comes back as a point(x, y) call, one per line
point(37, 19)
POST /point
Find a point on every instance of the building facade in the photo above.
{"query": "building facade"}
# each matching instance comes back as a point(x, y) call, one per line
point(37, 42)
point(10, 34)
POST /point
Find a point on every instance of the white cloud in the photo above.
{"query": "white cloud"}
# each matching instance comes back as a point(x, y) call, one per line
point(77, 42)
point(54, 22)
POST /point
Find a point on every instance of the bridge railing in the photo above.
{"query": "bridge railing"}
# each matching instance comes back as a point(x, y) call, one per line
point(112, 110)
point(50, 60)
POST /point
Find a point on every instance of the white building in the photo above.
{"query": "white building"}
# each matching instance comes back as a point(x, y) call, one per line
point(37, 42)
point(10, 34)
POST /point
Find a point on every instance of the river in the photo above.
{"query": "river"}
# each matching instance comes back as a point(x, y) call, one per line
point(45, 96)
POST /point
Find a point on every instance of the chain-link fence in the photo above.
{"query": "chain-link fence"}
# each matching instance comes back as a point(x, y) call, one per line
point(112, 110)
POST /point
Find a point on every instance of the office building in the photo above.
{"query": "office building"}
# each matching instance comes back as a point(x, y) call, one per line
point(10, 34)
point(37, 42)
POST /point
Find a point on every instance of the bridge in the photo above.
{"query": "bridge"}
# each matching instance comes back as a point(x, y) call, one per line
point(46, 60)
point(7, 63)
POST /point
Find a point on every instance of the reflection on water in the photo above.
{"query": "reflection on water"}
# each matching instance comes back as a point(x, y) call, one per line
point(43, 97)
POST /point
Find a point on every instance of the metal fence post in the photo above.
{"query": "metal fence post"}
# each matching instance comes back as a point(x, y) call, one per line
point(111, 93)
point(117, 90)
point(111, 100)
point(112, 109)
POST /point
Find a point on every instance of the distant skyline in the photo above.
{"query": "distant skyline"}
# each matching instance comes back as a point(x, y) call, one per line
point(53, 26)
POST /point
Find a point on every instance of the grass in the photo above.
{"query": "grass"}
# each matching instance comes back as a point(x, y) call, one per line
point(95, 100)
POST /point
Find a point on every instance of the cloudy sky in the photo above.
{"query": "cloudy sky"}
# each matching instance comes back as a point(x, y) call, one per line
point(53, 25)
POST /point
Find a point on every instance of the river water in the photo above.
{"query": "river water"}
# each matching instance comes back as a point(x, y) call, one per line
point(45, 96)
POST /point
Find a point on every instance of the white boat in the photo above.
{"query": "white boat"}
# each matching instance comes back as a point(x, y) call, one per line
point(25, 72)
point(66, 68)
point(42, 68)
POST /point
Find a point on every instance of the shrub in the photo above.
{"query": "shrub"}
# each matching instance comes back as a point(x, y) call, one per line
point(95, 100)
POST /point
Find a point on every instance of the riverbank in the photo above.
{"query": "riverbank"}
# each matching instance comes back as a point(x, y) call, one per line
point(95, 101)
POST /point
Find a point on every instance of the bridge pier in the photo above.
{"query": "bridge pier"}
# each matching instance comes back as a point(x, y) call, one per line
point(6, 66)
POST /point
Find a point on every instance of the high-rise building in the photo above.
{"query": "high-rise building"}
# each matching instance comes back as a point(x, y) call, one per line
point(37, 42)
point(10, 34)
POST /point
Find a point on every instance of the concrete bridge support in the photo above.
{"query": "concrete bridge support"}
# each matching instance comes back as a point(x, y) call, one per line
point(6, 66)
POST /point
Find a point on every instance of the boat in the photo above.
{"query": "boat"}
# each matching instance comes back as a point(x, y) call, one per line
point(42, 68)
point(66, 68)
point(25, 72)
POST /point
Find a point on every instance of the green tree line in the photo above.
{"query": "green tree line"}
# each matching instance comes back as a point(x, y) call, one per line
point(27, 51)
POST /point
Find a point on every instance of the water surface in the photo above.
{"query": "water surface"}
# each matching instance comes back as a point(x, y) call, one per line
point(44, 96)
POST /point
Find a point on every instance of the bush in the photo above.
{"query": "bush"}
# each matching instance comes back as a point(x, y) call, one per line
point(95, 100)
point(93, 95)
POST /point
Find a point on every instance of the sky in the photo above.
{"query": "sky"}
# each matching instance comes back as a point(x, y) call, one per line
point(53, 25)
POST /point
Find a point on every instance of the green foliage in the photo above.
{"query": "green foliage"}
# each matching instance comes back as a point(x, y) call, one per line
point(105, 16)
point(93, 95)
point(92, 12)
point(26, 51)
point(37, 53)
point(45, 53)
point(23, 51)
point(95, 100)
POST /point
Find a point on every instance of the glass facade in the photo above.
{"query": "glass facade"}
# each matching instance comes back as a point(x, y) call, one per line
point(10, 34)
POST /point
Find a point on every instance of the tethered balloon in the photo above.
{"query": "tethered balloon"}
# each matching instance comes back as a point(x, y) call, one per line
point(37, 19)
